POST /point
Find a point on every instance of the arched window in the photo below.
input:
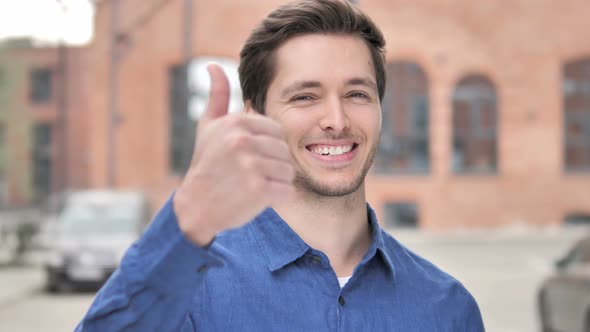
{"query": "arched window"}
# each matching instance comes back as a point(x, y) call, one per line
point(404, 146)
point(474, 126)
point(576, 106)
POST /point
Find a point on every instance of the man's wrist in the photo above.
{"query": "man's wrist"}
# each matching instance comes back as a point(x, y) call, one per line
point(193, 225)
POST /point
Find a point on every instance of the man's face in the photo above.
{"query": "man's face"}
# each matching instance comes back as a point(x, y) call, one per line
point(324, 94)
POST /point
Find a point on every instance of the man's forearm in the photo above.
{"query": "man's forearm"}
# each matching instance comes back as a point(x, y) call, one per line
point(154, 287)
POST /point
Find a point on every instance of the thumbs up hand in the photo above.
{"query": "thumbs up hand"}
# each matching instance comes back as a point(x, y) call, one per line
point(240, 165)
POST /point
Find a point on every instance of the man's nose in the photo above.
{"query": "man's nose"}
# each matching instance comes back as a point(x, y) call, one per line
point(334, 117)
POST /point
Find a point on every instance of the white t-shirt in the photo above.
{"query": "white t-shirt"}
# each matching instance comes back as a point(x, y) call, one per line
point(342, 281)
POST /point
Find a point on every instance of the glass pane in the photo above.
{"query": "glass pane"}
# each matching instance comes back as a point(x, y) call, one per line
point(404, 137)
point(578, 219)
point(42, 161)
point(401, 214)
point(576, 100)
point(188, 92)
point(40, 85)
point(474, 126)
point(180, 134)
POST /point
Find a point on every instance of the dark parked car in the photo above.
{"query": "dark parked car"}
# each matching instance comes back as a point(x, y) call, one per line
point(92, 232)
point(564, 298)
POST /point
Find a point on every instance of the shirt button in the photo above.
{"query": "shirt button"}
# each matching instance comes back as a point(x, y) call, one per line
point(316, 260)
point(202, 268)
point(341, 300)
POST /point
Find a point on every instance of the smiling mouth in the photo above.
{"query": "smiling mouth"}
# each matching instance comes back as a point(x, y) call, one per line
point(331, 150)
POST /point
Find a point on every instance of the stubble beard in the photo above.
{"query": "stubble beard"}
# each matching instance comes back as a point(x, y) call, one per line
point(307, 182)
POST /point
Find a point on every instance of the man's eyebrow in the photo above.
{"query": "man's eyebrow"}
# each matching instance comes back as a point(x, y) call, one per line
point(362, 81)
point(300, 85)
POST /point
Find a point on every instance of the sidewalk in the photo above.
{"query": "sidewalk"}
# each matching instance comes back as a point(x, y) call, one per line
point(519, 234)
point(18, 282)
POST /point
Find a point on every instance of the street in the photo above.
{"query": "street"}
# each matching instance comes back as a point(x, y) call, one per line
point(502, 269)
point(43, 312)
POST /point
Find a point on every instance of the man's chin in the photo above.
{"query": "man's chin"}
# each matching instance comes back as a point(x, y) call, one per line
point(328, 188)
point(335, 183)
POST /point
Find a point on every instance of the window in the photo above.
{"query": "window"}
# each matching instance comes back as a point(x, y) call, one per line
point(576, 106)
point(41, 87)
point(42, 161)
point(180, 133)
point(474, 126)
point(3, 167)
point(404, 146)
point(577, 219)
point(401, 215)
point(189, 91)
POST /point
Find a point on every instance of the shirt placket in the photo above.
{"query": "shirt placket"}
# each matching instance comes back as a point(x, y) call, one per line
point(328, 284)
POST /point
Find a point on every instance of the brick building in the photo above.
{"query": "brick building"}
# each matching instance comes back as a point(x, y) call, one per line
point(486, 119)
point(42, 121)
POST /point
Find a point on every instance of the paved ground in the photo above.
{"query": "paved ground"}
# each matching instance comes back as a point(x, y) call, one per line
point(43, 312)
point(18, 284)
point(502, 269)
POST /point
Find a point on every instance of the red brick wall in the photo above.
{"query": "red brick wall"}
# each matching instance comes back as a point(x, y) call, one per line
point(68, 161)
point(21, 115)
point(519, 45)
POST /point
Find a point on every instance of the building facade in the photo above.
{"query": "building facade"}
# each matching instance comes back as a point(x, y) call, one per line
point(486, 119)
point(42, 122)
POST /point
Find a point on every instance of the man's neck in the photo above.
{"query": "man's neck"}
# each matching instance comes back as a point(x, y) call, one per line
point(337, 226)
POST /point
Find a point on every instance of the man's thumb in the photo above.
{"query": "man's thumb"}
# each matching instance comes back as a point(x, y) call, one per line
point(217, 105)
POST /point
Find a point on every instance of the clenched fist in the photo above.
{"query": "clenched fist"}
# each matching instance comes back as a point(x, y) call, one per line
point(240, 165)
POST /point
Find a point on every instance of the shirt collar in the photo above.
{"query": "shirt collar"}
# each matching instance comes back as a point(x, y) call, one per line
point(280, 245)
point(378, 243)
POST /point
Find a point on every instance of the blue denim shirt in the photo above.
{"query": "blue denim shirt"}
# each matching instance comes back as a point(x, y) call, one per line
point(264, 277)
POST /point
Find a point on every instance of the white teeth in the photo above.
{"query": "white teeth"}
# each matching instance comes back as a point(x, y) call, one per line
point(333, 150)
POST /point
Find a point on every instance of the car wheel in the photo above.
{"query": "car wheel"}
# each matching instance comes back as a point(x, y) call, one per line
point(543, 312)
point(51, 281)
point(56, 284)
point(51, 287)
point(64, 286)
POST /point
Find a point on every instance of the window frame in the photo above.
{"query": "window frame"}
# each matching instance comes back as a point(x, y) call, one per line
point(38, 77)
point(413, 147)
point(476, 103)
point(570, 89)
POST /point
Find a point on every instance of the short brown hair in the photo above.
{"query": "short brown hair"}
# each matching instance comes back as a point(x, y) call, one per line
point(298, 18)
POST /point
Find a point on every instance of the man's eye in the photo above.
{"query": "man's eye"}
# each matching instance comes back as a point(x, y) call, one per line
point(302, 98)
point(359, 95)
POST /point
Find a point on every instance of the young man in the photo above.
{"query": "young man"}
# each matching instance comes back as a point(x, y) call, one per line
point(214, 259)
